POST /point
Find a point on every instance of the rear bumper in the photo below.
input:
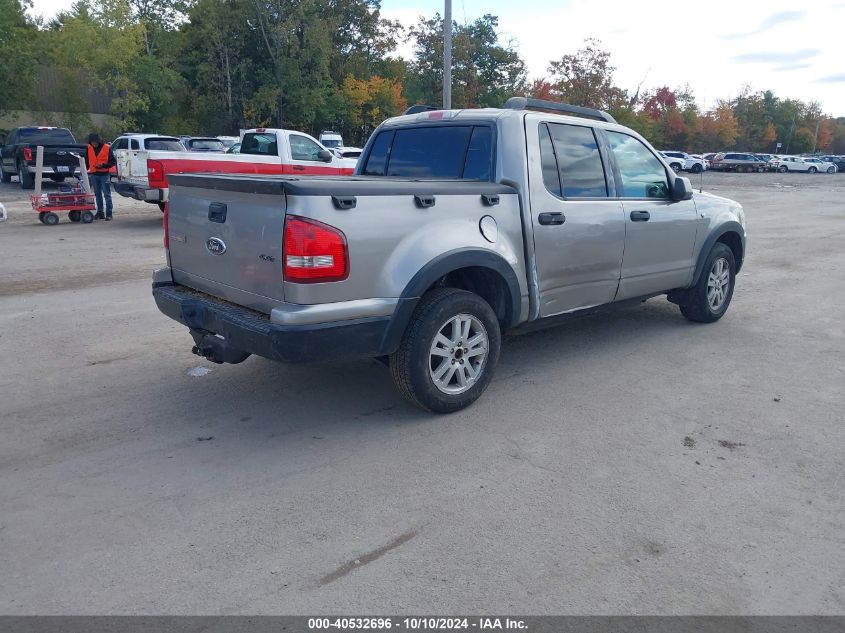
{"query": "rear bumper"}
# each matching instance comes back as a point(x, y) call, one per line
point(54, 170)
point(138, 192)
point(253, 332)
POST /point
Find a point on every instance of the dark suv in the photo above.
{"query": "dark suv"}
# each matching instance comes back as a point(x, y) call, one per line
point(738, 162)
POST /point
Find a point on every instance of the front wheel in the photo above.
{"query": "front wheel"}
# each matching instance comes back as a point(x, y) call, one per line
point(812, 170)
point(676, 168)
point(783, 169)
point(709, 299)
point(696, 169)
point(449, 351)
point(831, 170)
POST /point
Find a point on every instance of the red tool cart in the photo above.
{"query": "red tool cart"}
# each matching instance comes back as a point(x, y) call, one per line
point(77, 200)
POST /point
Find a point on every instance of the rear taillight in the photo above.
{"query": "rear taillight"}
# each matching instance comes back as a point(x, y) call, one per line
point(166, 225)
point(155, 174)
point(27, 154)
point(314, 252)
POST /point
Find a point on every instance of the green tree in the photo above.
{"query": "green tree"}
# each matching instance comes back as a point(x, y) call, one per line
point(18, 54)
point(585, 78)
point(484, 72)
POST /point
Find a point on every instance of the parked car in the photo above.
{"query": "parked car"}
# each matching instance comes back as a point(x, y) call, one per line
point(204, 144)
point(839, 161)
point(139, 142)
point(676, 163)
point(739, 162)
point(18, 153)
point(262, 151)
point(330, 139)
point(694, 164)
point(234, 149)
point(228, 141)
point(800, 164)
point(823, 166)
point(467, 223)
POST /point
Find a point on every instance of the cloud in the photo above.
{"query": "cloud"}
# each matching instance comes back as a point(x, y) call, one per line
point(775, 57)
point(787, 67)
point(770, 22)
point(832, 79)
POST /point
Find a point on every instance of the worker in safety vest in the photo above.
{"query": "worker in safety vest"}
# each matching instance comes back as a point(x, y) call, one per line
point(100, 161)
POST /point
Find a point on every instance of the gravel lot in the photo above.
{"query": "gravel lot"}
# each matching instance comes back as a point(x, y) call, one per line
point(629, 463)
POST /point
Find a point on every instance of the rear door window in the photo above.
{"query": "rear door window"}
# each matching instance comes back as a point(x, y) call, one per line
point(446, 151)
point(578, 161)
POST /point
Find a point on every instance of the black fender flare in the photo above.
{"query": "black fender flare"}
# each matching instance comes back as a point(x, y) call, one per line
point(439, 267)
point(731, 226)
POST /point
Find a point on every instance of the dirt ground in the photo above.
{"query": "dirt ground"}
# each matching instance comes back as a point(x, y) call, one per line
point(630, 463)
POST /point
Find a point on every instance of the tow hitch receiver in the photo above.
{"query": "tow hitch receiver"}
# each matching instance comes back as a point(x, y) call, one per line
point(216, 349)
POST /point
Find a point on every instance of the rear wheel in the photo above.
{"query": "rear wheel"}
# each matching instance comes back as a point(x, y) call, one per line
point(87, 217)
point(74, 216)
point(709, 299)
point(812, 170)
point(26, 180)
point(449, 351)
point(676, 167)
point(696, 169)
point(783, 169)
point(831, 170)
point(50, 218)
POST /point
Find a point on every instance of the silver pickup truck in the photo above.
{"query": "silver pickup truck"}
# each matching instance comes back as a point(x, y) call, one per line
point(457, 226)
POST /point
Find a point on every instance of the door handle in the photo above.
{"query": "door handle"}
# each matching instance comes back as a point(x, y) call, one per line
point(551, 219)
point(299, 167)
point(640, 216)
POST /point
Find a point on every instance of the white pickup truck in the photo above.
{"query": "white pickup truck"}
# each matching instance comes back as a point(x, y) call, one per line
point(143, 174)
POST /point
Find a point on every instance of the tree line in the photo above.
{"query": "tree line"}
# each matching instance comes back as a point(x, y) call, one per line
point(216, 66)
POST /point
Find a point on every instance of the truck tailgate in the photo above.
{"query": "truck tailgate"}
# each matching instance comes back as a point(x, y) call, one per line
point(228, 243)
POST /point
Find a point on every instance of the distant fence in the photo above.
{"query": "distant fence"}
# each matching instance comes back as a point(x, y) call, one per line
point(55, 91)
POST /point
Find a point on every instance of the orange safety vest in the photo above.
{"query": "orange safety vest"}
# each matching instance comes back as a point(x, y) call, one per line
point(97, 159)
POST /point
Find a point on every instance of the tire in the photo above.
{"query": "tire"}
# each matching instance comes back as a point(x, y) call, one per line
point(41, 218)
point(50, 218)
point(699, 305)
point(696, 168)
point(26, 180)
point(831, 170)
point(4, 176)
point(425, 349)
point(783, 169)
point(74, 216)
point(676, 168)
point(87, 217)
point(812, 170)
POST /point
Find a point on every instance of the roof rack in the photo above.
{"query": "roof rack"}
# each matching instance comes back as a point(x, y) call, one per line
point(524, 103)
point(416, 109)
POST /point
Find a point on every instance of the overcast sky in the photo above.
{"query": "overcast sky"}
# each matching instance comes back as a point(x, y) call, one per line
point(793, 48)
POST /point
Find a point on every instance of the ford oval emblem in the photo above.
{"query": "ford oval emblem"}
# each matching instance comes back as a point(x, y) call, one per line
point(215, 246)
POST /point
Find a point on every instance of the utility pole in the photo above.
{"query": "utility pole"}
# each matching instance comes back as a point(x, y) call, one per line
point(447, 57)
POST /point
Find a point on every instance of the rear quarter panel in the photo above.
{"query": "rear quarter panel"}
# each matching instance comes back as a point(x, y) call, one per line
point(391, 239)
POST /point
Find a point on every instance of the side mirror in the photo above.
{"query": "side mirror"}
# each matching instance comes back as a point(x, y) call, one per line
point(681, 189)
point(325, 156)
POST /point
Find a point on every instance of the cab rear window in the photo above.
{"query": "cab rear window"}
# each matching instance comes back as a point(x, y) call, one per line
point(461, 152)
